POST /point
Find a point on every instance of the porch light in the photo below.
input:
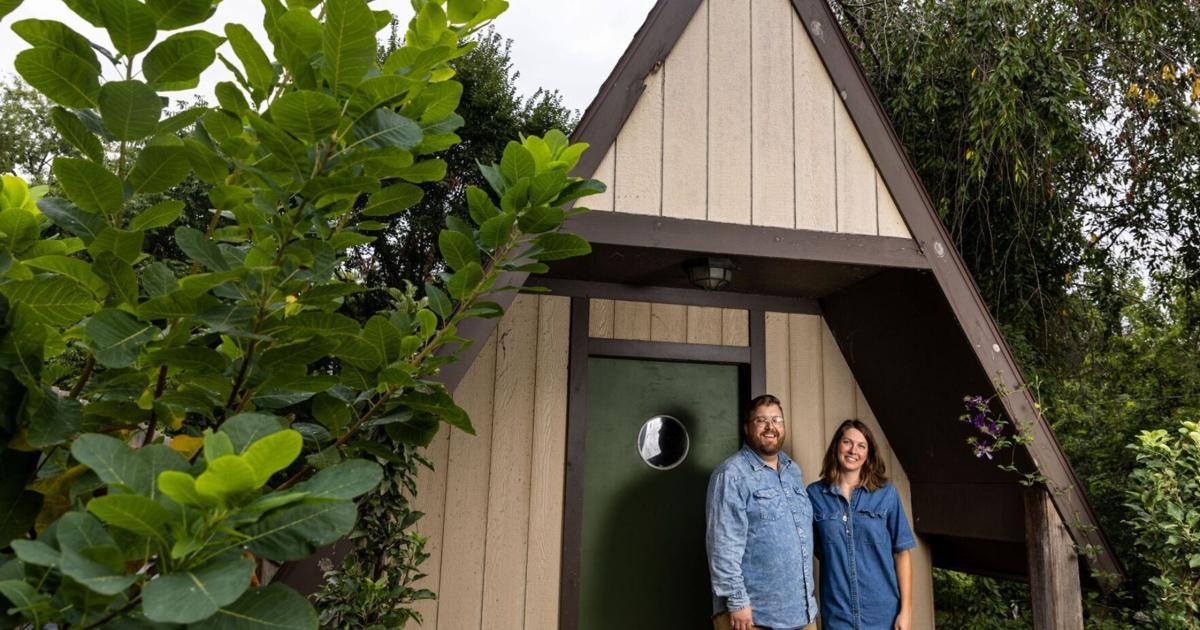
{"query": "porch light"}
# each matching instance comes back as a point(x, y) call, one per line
point(710, 274)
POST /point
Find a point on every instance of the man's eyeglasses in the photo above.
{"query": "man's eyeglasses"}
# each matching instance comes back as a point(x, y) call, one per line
point(762, 421)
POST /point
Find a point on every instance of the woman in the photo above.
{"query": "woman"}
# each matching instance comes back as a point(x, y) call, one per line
point(862, 537)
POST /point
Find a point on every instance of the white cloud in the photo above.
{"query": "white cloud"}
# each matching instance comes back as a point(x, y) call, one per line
point(568, 45)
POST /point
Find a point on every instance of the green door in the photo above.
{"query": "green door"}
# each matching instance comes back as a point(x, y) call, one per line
point(643, 560)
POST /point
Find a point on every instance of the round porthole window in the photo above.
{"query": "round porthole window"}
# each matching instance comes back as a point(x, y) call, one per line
point(663, 442)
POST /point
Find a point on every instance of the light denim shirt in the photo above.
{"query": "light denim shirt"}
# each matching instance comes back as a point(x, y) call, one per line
point(855, 542)
point(759, 539)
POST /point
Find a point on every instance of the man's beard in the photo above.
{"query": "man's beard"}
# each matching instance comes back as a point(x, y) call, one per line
point(765, 447)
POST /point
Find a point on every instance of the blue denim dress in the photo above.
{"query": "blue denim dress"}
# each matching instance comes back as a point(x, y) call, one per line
point(855, 543)
point(759, 539)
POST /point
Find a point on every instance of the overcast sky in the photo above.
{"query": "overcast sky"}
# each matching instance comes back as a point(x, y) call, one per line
point(568, 45)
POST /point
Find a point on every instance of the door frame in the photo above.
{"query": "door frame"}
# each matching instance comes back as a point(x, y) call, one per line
point(583, 347)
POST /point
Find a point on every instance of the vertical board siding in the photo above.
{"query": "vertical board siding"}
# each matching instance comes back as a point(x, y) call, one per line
point(600, 318)
point(549, 456)
point(639, 153)
point(807, 370)
point(685, 111)
point(890, 221)
point(467, 475)
point(816, 189)
point(605, 172)
point(729, 93)
point(704, 325)
point(807, 391)
point(631, 320)
point(855, 178)
point(495, 533)
point(744, 98)
point(773, 194)
point(668, 322)
point(508, 488)
point(735, 327)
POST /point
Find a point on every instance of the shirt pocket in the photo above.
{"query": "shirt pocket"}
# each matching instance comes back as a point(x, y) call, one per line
point(872, 526)
point(802, 510)
point(769, 504)
point(828, 526)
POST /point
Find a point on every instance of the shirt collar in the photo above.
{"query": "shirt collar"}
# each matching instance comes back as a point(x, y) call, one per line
point(756, 462)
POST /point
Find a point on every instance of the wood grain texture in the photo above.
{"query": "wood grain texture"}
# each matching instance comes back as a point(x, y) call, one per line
point(509, 482)
point(600, 318)
point(773, 195)
point(735, 327)
point(549, 457)
point(431, 499)
point(704, 325)
point(776, 363)
point(922, 562)
point(605, 172)
point(890, 221)
point(729, 98)
point(813, 139)
point(807, 403)
point(639, 153)
point(685, 112)
point(668, 322)
point(468, 472)
point(631, 320)
point(855, 178)
point(838, 383)
point(1053, 565)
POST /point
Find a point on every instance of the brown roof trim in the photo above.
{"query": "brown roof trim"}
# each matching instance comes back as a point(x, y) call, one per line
point(619, 93)
point(915, 206)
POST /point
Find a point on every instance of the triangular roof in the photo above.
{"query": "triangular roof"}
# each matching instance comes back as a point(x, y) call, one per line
point(924, 308)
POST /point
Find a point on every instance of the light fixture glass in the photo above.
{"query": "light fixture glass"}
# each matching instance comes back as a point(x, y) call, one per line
point(710, 274)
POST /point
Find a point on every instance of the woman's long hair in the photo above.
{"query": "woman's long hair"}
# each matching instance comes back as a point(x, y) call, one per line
point(874, 471)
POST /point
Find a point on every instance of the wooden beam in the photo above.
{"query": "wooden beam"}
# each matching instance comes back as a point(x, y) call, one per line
point(1053, 566)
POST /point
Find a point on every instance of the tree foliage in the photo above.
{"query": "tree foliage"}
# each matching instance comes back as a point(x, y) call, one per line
point(170, 422)
point(28, 139)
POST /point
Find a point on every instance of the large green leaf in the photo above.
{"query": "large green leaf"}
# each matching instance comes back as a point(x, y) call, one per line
point(55, 421)
point(36, 552)
point(457, 249)
point(348, 42)
point(71, 218)
point(462, 11)
point(159, 215)
point(157, 459)
point(74, 268)
point(273, 453)
point(88, 10)
point(90, 567)
point(111, 459)
point(133, 513)
point(8, 6)
point(118, 277)
point(52, 34)
point(385, 128)
point(299, 40)
point(517, 162)
point(258, 68)
point(172, 14)
point(180, 487)
point(296, 531)
point(465, 280)
point(226, 478)
point(89, 185)
point(18, 506)
point(158, 168)
point(496, 231)
point(130, 109)
point(130, 25)
point(199, 248)
point(177, 61)
point(63, 77)
point(77, 530)
point(268, 608)
point(557, 246)
point(117, 338)
point(347, 480)
point(306, 114)
point(439, 403)
point(56, 301)
point(246, 428)
point(72, 130)
point(190, 596)
point(124, 244)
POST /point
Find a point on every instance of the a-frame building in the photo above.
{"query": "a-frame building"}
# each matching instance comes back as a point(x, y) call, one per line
point(740, 129)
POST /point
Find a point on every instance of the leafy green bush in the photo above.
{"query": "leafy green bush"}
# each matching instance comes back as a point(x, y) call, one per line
point(1164, 498)
point(168, 424)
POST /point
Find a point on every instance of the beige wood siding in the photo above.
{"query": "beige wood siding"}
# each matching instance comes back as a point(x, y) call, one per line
point(493, 502)
point(742, 124)
point(806, 369)
point(645, 321)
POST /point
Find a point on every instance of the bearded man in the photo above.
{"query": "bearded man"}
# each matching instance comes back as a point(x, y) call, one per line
point(759, 535)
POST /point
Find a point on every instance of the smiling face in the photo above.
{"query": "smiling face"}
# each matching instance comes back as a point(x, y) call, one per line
point(852, 450)
point(765, 430)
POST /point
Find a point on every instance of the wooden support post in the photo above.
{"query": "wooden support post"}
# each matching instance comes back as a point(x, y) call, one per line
point(1053, 566)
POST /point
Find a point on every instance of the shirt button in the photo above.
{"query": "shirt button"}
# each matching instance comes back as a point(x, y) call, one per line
point(843, 518)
